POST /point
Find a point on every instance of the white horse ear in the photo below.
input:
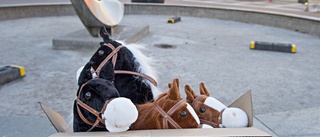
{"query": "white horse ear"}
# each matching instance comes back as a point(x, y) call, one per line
point(190, 94)
point(203, 90)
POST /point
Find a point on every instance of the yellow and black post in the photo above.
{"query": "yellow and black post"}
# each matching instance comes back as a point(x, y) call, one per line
point(10, 73)
point(291, 48)
point(174, 19)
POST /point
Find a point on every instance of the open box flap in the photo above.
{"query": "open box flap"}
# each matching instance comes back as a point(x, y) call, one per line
point(56, 119)
point(245, 103)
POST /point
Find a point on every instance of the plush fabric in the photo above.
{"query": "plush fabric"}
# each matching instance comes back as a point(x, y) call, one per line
point(234, 118)
point(231, 117)
point(150, 118)
point(210, 114)
point(116, 118)
point(100, 90)
point(136, 88)
point(120, 114)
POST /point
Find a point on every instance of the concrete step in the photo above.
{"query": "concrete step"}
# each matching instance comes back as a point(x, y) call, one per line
point(81, 39)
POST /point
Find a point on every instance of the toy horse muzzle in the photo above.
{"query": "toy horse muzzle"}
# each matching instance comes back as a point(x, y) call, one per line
point(216, 122)
point(99, 121)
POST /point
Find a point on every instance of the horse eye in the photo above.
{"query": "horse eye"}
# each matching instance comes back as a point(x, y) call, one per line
point(203, 109)
point(101, 52)
point(87, 96)
point(183, 113)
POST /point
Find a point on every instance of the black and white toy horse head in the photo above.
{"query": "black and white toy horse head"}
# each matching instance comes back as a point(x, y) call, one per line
point(99, 107)
point(134, 77)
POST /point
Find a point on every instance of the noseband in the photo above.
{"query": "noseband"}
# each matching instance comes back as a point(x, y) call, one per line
point(218, 123)
point(99, 121)
point(167, 115)
point(114, 55)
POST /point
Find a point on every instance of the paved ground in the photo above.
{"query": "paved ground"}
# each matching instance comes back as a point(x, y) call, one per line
point(285, 86)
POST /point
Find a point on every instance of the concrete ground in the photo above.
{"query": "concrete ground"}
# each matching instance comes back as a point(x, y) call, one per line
point(284, 85)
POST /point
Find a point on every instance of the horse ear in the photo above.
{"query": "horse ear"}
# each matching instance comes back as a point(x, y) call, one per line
point(104, 34)
point(107, 72)
point(174, 92)
point(85, 74)
point(170, 85)
point(203, 90)
point(190, 93)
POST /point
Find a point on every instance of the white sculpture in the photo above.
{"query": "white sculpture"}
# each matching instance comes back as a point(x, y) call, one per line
point(109, 12)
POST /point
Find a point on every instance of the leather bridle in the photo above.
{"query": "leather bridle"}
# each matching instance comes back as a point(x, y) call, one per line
point(167, 115)
point(113, 56)
point(217, 124)
point(99, 121)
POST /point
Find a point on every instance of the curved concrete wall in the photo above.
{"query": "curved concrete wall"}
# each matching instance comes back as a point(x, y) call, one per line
point(26, 11)
point(291, 22)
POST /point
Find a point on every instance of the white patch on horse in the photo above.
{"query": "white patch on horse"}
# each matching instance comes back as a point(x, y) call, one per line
point(120, 114)
point(206, 126)
point(78, 73)
point(193, 113)
point(214, 103)
point(94, 75)
point(234, 118)
point(145, 66)
point(231, 117)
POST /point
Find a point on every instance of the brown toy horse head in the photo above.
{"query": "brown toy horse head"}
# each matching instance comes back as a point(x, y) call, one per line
point(212, 112)
point(168, 111)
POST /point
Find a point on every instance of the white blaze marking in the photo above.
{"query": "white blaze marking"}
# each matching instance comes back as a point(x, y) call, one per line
point(193, 113)
point(214, 103)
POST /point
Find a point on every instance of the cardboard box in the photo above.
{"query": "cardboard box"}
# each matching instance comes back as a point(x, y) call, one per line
point(244, 102)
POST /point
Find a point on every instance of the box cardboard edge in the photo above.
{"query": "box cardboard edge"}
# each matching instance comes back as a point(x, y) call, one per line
point(56, 119)
point(245, 103)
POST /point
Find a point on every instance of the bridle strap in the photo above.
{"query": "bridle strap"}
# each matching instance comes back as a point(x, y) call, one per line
point(114, 55)
point(203, 121)
point(166, 115)
point(215, 125)
point(220, 117)
point(82, 117)
point(88, 108)
point(94, 112)
point(197, 99)
point(138, 74)
point(91, 110)
point(114, 59)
